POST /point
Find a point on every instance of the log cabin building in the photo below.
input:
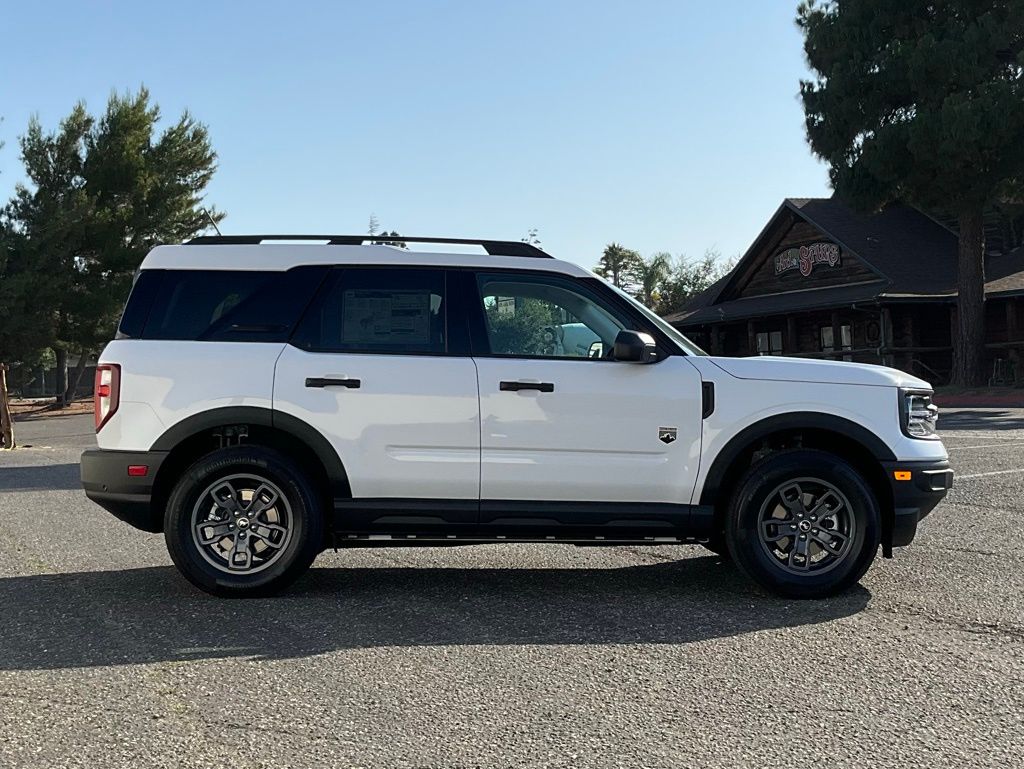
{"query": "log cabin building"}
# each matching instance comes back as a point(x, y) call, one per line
point(824, 281)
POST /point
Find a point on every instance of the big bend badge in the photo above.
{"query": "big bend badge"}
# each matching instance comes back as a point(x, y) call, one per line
point(666, 434)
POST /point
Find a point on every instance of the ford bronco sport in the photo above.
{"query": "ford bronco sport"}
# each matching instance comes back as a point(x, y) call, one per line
point(264, 401)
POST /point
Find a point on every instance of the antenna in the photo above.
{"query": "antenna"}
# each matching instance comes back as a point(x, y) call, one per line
point(212, 220)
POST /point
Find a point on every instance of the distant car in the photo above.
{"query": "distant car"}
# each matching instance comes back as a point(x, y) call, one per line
point(265, 401)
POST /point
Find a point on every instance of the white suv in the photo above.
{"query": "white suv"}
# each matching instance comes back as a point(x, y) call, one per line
point(265, 401)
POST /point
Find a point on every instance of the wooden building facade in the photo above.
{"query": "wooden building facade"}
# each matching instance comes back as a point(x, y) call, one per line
point(824, 281)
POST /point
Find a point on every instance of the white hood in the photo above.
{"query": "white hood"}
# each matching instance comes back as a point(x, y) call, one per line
point(823, 371)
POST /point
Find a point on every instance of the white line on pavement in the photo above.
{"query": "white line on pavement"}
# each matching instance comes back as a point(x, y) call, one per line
point(994, 472)
point(983, 446)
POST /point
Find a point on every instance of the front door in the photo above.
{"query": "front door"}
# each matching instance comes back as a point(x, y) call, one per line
point(377, 366)
point(570, 436)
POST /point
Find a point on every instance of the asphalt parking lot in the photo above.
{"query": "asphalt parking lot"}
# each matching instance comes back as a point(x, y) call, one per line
point(507, 656)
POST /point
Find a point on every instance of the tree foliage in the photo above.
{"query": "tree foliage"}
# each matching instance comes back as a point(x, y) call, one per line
point(100, 193)
point(520, 329)
point(619, 264)
point(651, 275)
point(661, 281)
point(373, 228)
point(923, 101)
point(688, 277)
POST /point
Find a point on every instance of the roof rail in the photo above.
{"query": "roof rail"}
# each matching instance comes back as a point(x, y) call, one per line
point(492, 247)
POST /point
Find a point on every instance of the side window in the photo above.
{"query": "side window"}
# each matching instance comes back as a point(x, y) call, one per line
point(378, 310)
point(145, 290)
point(544, 316)
point(222, 305)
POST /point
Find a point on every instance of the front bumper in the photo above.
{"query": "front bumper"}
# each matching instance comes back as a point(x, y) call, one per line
point(106, 482)
point(914, 498)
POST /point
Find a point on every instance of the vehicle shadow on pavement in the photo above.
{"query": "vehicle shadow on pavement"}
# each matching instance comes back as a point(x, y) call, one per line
point(152, 615)
point(40, 478)
point(980, 419)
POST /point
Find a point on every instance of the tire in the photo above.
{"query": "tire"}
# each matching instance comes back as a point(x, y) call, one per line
point(774, 504)
point(263, 528)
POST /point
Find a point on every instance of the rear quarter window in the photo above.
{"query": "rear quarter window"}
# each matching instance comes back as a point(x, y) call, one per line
point(140, 301)
point(219, 305)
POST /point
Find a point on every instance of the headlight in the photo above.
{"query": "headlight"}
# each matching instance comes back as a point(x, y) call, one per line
point(918, 415)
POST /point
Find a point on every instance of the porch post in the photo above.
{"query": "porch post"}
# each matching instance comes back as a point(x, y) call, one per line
point(751, 339)
point(716, 341)
point(792, 341)
point(1013, 335)
point(886, 337)
point(908, 338)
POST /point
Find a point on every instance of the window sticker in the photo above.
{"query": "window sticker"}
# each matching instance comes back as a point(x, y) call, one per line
point(386, 317)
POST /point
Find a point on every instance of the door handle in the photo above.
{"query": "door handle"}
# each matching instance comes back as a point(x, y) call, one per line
point(544, 387)
point(352, 384)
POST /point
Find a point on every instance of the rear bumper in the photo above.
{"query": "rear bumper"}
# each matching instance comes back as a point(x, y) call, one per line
point(106, 482)
point(913, 499)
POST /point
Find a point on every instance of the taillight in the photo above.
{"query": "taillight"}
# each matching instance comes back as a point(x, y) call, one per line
point(107, 392)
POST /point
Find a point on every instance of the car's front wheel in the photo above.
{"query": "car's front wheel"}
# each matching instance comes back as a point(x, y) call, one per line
point(243, 521)
point(803, 524)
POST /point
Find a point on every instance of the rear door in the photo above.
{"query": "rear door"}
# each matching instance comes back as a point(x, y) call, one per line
point(381, 368)
point(569, 436)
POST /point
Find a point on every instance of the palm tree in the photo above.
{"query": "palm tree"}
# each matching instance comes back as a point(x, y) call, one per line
point(618, 264)
point(651, 275)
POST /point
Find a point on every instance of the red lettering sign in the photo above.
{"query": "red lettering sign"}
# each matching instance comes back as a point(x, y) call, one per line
point(805, 258)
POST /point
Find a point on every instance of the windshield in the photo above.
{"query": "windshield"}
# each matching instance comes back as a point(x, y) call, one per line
point(670, 331)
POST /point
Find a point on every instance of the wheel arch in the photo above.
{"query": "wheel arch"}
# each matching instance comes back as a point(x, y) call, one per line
point(808, 429)
point(199, 434)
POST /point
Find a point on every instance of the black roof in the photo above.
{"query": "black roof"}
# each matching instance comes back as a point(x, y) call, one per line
point(913, 255)
point(774, 304)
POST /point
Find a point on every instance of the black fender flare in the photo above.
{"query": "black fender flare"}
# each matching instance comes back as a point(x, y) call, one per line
point(796, 420)
point(297, 428)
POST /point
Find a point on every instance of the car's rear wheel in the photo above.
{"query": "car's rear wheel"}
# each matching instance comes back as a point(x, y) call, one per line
point(243, 521)
point(803, 524)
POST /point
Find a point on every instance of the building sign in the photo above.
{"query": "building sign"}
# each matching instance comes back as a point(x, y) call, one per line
point(805, 258)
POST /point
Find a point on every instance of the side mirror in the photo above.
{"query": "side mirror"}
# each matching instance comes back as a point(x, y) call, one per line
point(635, 346)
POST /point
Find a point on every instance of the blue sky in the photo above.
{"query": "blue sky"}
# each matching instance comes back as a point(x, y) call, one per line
point(668, 126)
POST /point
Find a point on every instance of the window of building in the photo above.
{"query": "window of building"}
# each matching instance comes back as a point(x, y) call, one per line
point(381, 310)
point(845, 338)
point(769, 343)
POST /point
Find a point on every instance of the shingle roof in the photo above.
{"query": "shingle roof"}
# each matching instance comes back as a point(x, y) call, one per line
point(772, 304)
point(703, 299)
point(1005, 274)
point(914, 255)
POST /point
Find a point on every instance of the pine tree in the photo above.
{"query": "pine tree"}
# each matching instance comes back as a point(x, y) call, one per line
point(100, 194)
point(922, 101)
